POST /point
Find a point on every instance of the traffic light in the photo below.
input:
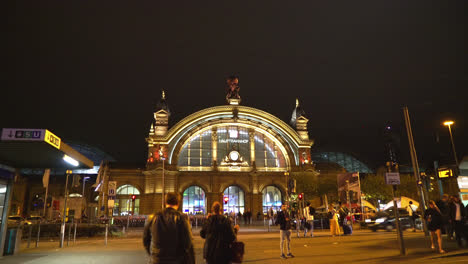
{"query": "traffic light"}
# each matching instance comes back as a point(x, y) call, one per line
point(133, 197)
point(226, 199)
point(300, 196)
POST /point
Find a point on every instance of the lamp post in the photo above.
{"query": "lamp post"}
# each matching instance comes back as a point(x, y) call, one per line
point(62, 228)
point(449, 124)
point(83, 194)
point(161, 157)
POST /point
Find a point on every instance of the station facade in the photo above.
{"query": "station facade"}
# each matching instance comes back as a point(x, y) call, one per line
point(237, 155)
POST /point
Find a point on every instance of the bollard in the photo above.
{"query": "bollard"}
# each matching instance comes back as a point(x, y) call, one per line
point(321, 223)
point(74, 235)
point(123, 230)
point(105, 238)
point(29, 236)
point(38, 233)
point(196, 222)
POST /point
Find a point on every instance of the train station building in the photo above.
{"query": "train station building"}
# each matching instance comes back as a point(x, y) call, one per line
point(237, 155)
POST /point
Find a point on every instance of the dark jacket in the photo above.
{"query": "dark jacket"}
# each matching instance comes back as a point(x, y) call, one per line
point(219, 235)
point(284, 220)
point(453, 211)
point(168, 238)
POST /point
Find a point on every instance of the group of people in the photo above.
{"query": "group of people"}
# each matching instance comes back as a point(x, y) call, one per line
point(340, 218)
point(448, 216)
point(167, 236)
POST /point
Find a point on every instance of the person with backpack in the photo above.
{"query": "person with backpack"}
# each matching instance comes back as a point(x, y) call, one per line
point(309, 212)
point(219, 236)
point(167, 237)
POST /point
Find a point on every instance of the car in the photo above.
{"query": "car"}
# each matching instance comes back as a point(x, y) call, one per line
point(386, 221)
point(35, 219)
point(15, 220)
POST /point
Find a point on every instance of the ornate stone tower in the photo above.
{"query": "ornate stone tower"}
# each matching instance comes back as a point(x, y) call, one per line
point(299, 123)
point(158, 128)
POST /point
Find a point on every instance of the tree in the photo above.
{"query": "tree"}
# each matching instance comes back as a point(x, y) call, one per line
point(374, 188)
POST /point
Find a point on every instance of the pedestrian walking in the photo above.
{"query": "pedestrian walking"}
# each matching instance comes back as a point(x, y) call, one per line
point(309, 212)
point(333, 218)
point(457, 218)
point(219, 235)
point(434, 224)
point(284, 220)
point(167, 237)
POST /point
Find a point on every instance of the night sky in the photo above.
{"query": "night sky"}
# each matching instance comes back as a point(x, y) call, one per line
point(92, 71)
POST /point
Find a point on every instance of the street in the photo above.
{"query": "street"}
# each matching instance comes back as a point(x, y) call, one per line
point(261, 247)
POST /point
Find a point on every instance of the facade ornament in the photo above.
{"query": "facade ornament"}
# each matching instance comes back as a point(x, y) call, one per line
point(232, 87)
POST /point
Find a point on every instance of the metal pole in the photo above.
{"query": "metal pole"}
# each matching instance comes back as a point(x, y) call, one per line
point(439, 182)
point(74, 235)
point(163, 186)
point(62, 228)
point(105, 240)
point(29, 236)
point(69, 232)
point(401, 242)
point(414, 160)
point(38, 233)
point(453, 146)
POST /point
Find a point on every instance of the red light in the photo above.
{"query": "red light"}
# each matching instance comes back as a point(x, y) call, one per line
point(300, 196)
point(133, 197)
point(226, 199)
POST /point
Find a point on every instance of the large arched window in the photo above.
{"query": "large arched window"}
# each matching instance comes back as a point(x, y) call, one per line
point(236, 200)
point(271, 198)
point(124, 204)
point(234, 148)
point(194, 200)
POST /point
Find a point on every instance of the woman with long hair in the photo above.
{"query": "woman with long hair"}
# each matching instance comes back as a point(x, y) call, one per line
point(434, 224)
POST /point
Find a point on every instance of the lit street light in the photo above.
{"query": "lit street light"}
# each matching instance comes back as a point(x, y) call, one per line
point(449, 123)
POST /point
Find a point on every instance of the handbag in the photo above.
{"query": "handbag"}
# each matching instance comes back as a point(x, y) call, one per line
point(237, 249)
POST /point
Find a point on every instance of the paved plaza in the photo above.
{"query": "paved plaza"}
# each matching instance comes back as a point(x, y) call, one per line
point(261, 247)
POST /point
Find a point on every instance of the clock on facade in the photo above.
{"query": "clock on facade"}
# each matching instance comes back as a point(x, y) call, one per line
point(234, 155)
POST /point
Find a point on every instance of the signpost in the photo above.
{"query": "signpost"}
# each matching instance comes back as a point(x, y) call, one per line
point(392, 177)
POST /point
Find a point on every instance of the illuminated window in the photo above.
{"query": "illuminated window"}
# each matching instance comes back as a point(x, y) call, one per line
point(235, 200)
point(233, 138)
point(193, 200)
point(123, 204)
point(271, 198)
point(197, 152)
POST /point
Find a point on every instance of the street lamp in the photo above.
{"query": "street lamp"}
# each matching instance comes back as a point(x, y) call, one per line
point(449, 124)
point(161, 157)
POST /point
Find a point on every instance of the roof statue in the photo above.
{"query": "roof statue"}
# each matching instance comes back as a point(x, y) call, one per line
point(232, 86)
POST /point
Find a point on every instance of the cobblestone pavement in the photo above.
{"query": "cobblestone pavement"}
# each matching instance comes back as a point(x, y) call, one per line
point(261, 247)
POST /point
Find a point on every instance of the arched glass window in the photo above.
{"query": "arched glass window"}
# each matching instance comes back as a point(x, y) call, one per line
point(197, 152)
point(235, 199)
point(127, 189)
point(124, 204)
point(267, 155)
point(271, 198)
point(194, 200)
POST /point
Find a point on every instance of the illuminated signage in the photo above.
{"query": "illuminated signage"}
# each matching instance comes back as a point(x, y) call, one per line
point(445, 173)
point(232, 140)
point(52, 139)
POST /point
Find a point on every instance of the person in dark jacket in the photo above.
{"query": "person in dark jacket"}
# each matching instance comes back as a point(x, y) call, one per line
point(444, 207)
point(457, 217)
point(284, 220)
point(167, 236)
point(219, 235)
point(434, 224)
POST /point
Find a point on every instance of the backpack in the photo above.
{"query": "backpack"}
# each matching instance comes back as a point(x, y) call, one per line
point(311, 210)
